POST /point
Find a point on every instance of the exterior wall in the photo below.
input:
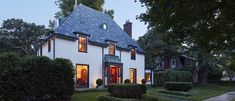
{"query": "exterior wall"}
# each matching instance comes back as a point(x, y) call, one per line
point(69, 50)
point(93, 57)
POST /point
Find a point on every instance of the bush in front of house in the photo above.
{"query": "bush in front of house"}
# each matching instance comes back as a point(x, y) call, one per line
point(127, 90)
point(62, 78)
point(178, 86)
point(35, 78)
point(111, 98)
point(177, 76)
point(143, 81)
point(99, 82)
point(127, 81)
point(159, 79)
point(11, 82)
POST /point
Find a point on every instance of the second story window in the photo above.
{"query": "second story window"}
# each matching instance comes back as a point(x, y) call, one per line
point(82, 45)
point(49, 45)
point(111, 48)
point(133, 54)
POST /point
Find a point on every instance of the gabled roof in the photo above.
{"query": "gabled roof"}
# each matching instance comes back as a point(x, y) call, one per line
point(89, 21)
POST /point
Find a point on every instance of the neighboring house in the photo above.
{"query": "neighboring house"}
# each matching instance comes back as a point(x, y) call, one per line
point(97, 47)
point(178, 62)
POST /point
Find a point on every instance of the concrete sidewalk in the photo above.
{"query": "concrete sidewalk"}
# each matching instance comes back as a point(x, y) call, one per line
point(224, 97)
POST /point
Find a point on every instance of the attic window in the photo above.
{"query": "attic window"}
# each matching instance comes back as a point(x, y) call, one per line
point(104, 26)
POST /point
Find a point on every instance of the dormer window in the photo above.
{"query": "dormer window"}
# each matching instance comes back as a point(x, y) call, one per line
point(111, 48)
point(104, 26)
point(82, 45)
point(133, 53)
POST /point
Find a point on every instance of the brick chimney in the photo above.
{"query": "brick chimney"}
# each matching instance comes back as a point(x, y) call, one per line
point(128, 28)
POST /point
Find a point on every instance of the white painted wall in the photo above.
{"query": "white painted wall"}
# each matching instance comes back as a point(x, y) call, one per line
point(69, 50)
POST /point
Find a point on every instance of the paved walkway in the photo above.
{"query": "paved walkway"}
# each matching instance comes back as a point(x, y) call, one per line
point(224, 97)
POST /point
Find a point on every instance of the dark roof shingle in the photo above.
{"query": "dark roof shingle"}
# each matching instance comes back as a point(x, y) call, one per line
point(87, 20)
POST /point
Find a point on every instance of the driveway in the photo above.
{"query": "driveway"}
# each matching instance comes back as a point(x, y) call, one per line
point(224, 97)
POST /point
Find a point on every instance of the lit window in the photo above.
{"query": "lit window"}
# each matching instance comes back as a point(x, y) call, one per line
point(148, 76)
point(111, 48)
point(82, 75)
point(133, 54)
point(133, 75)
point(49, 45)
point(82, 44)
point(104, 26)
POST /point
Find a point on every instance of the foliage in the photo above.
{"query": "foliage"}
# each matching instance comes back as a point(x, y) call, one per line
point(127, 81)
point(21, 37)
point(178, 86)
point(127, 90)
point(99, 82)
point(111, 98)
point(159, 79)
point(205, 27)
point(67, 6)
point(11, 82)
point(35, 78)
point(143, 81)
point(215, 73)
point(177, 76)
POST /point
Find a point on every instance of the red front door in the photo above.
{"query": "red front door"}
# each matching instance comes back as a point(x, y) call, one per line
point(113, 74)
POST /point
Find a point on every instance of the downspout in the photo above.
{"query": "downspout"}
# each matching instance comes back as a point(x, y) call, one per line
point(103, 66)
point(53, 38)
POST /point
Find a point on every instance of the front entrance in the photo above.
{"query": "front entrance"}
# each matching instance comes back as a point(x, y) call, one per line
point(113, 74)
point(82, 76)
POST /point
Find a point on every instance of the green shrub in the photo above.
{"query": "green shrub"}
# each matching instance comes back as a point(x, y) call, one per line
point(35, 78)
point(11, 81)
point(127, 81)
point(127, 90)
point(99, 82)
point(159, 79)
point(177, 76)
point(62, 78)
point(143, 81)
point(178, 86)
point(111, 98)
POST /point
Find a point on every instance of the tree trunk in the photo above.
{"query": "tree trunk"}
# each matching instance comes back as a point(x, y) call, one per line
point(203, 63)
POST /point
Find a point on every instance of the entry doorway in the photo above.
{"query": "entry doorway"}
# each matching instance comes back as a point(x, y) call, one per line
point(133, 75)
point(113, 74)
point(82, 76)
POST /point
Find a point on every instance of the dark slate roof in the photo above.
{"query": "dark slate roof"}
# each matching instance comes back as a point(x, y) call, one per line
point(88, 21)
point(112, 59)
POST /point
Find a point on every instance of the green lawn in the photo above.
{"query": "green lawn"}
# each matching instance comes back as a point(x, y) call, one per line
point(198, 93)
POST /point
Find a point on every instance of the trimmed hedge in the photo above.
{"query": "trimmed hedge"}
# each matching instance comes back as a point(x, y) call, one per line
point(111, 98)
point(159, 79)
point(178, 86)
point(35, 78)
point(127, 90)
point(177, 76)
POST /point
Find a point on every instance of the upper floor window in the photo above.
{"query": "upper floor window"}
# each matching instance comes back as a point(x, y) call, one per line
point(82, 45)
point(111, 48)
point(133, 54)
point(49, 45)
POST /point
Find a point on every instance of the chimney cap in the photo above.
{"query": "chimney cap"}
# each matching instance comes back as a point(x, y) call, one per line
point(128, 21)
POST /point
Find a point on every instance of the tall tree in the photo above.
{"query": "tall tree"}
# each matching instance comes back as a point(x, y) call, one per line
point(67, 6)
point(207, 26)
point(19, 36)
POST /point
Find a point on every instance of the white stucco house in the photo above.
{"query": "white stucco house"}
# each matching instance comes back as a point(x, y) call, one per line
point(97, 47)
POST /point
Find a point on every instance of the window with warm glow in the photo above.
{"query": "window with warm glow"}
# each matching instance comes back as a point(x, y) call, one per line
point(133, 75)
point(111, 48)
point(148, 76)
point(82, 75)
point(82, 44)
point(133, 54)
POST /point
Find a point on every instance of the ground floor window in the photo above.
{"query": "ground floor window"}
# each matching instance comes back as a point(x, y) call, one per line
point(148, 77)
point(82, 76)
point(133, 75)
